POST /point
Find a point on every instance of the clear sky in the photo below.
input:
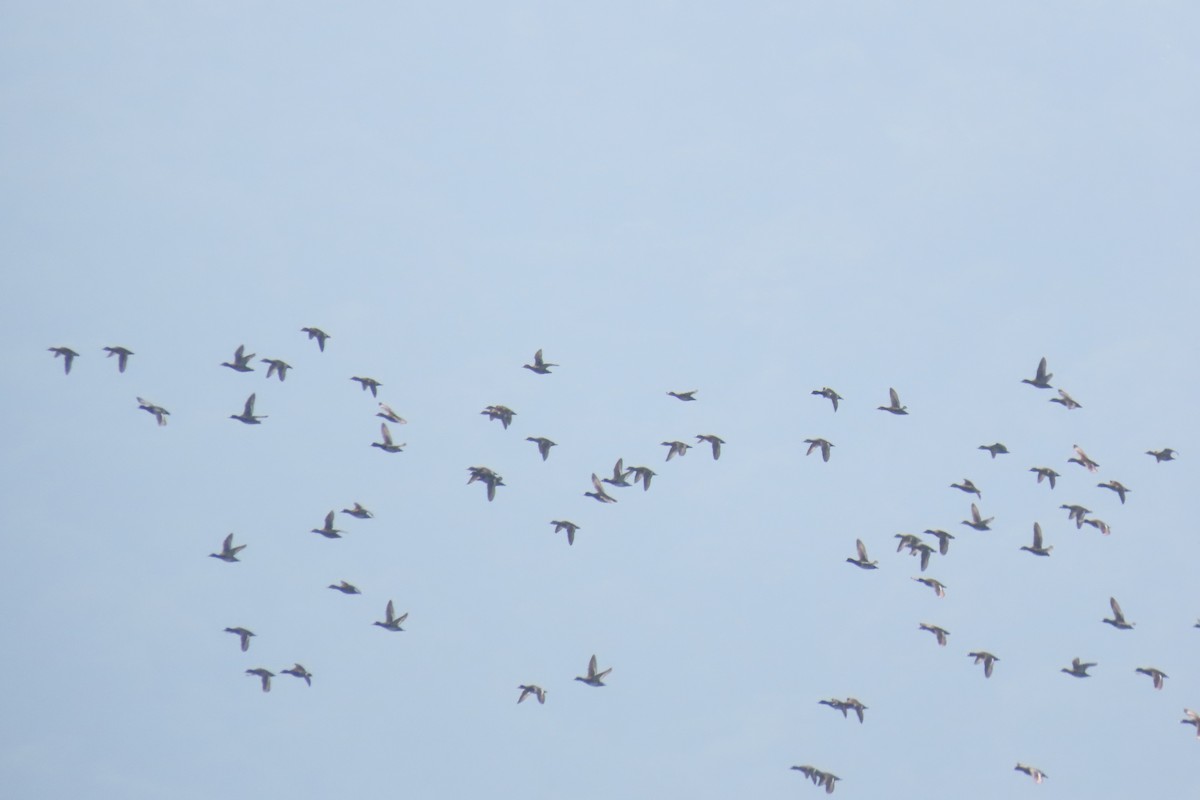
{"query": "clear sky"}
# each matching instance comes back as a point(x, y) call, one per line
point(753, 200)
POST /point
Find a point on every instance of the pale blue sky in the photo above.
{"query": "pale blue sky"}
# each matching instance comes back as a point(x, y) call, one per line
point(752, 200)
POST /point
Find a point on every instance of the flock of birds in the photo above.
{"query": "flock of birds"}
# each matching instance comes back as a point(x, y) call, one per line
point(627, 476)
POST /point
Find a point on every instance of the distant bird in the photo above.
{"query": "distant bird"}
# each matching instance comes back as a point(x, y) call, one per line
point(565, 525)
point(387, 445)
point(1191, 718)
point(318, 334)
point(1166, 454)
point(345, 588)
point(1156, 675)
point(1042, 379)
point(835, 704)
point(122, 354)
point(856, 706)
point(996, 449)
point(368, 383)
point(862, 562)
point(1118, 620)
point(599, 494)
point(823, 444)
point(241, 361)
point(228, 551)
point(968, 487)
point(276, 366)
point(1083, 459)
point(895, 407)
point(247, 415)
point(942, 537)
point(1033, 772)
point(328, 531)
point(1079, 669)
point(390, 621)
point(488, 477)
point(502, 413)
point(685, 396)
point(68, 355)
point(938, 587)
point(619, 475)
point(987, 659)
point(829, 394)
point(909, 540)
point(543, 445)
point(265, 675)
point(386, 412)
point(924, 551)
point(300, 672)
point(643, 474)
point(940, 633)
point(160, 413)
point(819, 778)
point(1098, 524)
point(1038, 549)
point(539, 366)
point(1117, 487)
point(242, 634)
point(532, 688)
point(1077, 513)
point(1045, 473)
point(358, 512)
point(594, 678)
point(677, 449)
point(977, 521)
point(1065, 400)
point(715, 441)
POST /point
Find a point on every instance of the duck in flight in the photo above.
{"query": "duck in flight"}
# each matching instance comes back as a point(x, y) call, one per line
point(345, 588)
point(318, 334)
point(358, 512)
point(940, 633)
point(160, 413)
point(1038, 549)
point(1033, 772)
point(685, 396)
point(68, 356)
point(242, 634)
point(247, 415)
point(823, 444)
point(276, 366)
point(988, 660)
point(1079, 669)
point(390, 621)
point(543, 445)
point(1118, 621)
point(996, 449)
point(1042, 379)
point(600, 495)
point(565, 525)
point(328, 531)
point(387, 413)
point(502, 413)
point(968, 487)
point(241, 361)
point(1117, 487)
point(532, 688)
point(300, 672)
point(1045, 473)
point(1065, 400)
point(264, 674)
point(594, 678)
point(677, 449)
point(715, 441)
point(977, 521)
point(387, 445)
point(228, 551)
point(1081, 458)
point(862, 562)
point(368, 383)
point(122, 354)
point(895, 407)
point(1156, 675)
point(829, 394)
point(539, 366)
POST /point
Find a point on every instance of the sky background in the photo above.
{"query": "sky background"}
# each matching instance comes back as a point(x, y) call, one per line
point(752, 200)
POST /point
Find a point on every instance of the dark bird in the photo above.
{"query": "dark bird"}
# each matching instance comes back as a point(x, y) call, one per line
point(488, 477)
point(1079, 669)
point(829, 394)
point(345, 588)
point(387, 445)
point(532, 688)
point(599, 494)
point(987, 659)
point(1118, 620)
point(677, 449)
point(1156, 675)
point(823, 444)
point(1045, 473)
point(942, 537)
point(390, 621)
point(386, 412)
point(995, 449)
point(855, 705)
point(266, 676)
point(938, 587)
point(924, 551)
point(940, 633)
point(247, 415)
point(68, 355)
point(539, 366)
point(160, 413)
point(819, 778)
point(1065, 400)
point(328, 531)
point(909, 540)
point(1038, 549)
point(968, 487)
point(1033, 772)
point(368, 383)
point(300, 672)
point(685, 396)
point(1191, 718)
point(1117, 487)
point(318, 334)
point(358, 512)
point(594, 678)
point(862, 561)
point(715, 441)
point(241, 361)
point(895, 407)
point(122, 354)
point(276, 366)
point(1077, 513)
point(242, 634)
point(620, 474)
point(1166, 454)
point(977, 521)
point(1098, 524)
point(543, 445)
point(565, 525)
point(502, 413)
point(643, 474)
point(1042, 379)
point(228, 551)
